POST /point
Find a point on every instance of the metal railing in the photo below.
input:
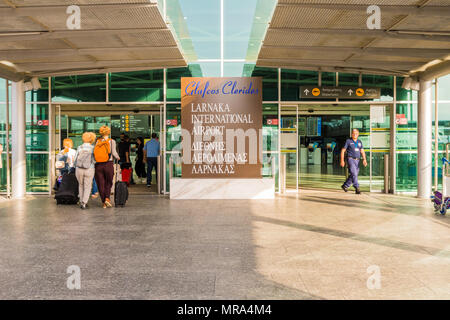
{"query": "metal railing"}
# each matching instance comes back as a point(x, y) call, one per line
point(386, 173)
point(282, 173)
point(447, 154)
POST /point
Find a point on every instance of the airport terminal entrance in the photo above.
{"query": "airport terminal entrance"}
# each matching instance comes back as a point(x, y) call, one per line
point(312, 137)
point(71, 121)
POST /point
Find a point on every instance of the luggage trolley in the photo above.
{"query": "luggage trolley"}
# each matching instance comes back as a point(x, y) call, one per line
point(441, 200)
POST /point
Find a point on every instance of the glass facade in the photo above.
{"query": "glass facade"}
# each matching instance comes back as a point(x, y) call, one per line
point(135, 87)
point(221, 41)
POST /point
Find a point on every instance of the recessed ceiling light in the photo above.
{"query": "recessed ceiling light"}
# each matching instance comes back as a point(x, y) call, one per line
point(8, 63)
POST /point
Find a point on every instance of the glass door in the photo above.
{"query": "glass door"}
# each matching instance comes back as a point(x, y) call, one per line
point(379, 144)
point(289, 145)
point(321, 137)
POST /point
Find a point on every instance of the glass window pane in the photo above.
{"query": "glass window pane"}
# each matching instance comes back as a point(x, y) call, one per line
point(202, 18)
point(79, 88)
point(173, 78)
point(137, 86)
point(444, 125)
point(37, 173)
point(406, 172)
point(37, 122)
point(270, 82)
point(291, 80)
point(173, 127)
point(2, 90)
point(406, 136)
point(386, 83)
point(348, 79)
point(238, 21)
point(270, 127)
point(233, 69)
point(443, 85)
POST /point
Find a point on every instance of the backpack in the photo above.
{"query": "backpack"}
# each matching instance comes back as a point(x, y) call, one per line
point(84, 158)
point(102, 150)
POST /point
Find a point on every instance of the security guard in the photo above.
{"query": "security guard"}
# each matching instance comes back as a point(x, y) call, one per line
point(355, 150)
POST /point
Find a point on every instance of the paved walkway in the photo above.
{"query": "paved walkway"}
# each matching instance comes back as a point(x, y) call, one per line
point(318, 245)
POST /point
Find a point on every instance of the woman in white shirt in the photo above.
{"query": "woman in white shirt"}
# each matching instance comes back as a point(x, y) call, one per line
point(68, 156)
point(85, 167)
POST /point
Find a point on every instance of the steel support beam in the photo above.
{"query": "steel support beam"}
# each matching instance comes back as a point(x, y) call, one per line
point(436, 71)
point(425, 11)
point(441, 36)
point(72, 72)
point(386, 65)
point(61, 34)
point(20, 54)
point(42, 66)
point(428, 53)
point(47, 10)
point(424, 140)
point(334, 69)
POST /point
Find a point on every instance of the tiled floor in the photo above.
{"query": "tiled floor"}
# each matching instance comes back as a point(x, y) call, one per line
point(311, 245)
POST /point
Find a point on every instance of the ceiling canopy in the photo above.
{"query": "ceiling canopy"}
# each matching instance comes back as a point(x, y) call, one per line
point(332, 35)
point(114, 35)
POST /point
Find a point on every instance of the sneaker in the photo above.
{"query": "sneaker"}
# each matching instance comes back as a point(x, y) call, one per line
point(357, 191)
point(344, 188)
point(108, 203)
point(94, 196)
point(149, 185)
point(104, 206)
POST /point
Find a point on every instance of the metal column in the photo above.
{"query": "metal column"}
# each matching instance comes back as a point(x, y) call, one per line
point(436, 134)
point(8, 144)
point(424, 140)
point(393, 142)
point(19, 166)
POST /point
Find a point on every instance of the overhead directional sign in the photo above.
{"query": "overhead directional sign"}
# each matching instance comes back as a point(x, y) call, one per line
point(345, 92)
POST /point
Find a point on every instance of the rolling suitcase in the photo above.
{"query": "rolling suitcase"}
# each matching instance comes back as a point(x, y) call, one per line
point(120, 192)
point(67, 192)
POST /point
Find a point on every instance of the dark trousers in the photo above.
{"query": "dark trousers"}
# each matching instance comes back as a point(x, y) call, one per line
point(353, 171)
point(151, 163)
point(104, 174)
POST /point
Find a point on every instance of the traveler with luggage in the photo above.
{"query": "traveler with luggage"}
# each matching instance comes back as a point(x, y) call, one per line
point(139, 166)
point(104, 153)
point(355, 151)
point(65, 161)
point(124, 162)
point(151, 153)
point(85, 167)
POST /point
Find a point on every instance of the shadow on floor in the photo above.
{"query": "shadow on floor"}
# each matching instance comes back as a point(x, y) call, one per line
point(358, 237)
point(361, 204)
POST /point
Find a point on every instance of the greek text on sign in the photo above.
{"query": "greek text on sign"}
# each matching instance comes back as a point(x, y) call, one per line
point(345, 92)
point(221, 123)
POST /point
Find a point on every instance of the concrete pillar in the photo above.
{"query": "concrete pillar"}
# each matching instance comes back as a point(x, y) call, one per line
point(424, 140)
point(19, 175)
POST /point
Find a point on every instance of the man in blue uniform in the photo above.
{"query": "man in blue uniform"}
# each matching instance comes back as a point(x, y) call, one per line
point(151, 153)
point(355, 150)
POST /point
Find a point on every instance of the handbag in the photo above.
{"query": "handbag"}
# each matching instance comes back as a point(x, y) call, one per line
point(60, 164)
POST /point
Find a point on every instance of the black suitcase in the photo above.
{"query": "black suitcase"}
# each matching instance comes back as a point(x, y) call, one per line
point(120, 192)
point(67, 192)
